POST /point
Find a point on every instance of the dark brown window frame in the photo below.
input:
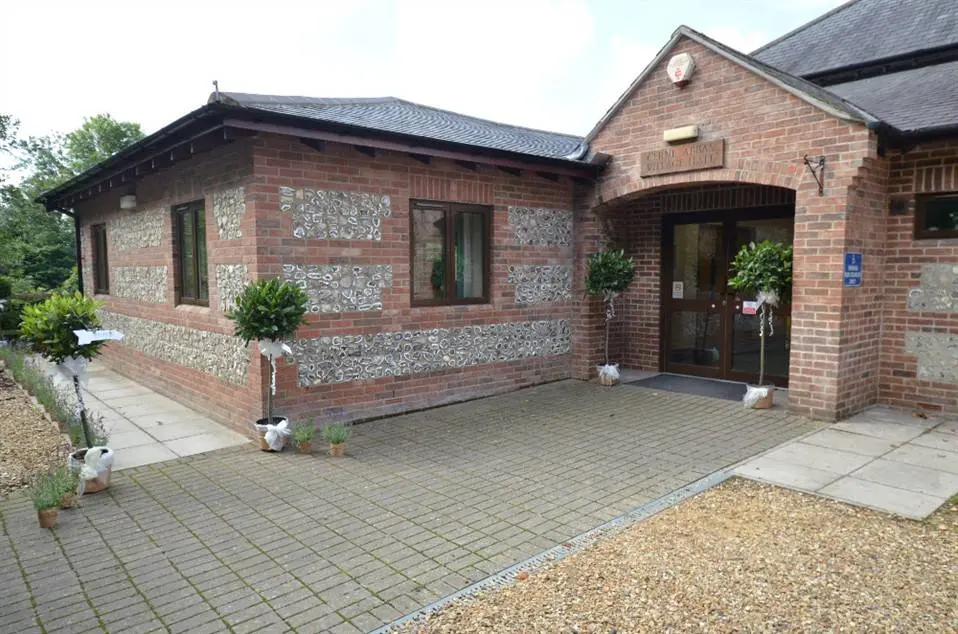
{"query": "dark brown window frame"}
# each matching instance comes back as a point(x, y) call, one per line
point(921, 202)
point(450, 210)
point(179, 212)
point(101, 260)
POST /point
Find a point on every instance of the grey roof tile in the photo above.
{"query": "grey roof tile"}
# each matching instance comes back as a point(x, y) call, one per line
point(388, 114)
point(910, 100)
point(861, 31)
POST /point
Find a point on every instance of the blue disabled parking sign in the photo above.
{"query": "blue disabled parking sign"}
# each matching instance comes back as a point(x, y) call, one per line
point(853, 269)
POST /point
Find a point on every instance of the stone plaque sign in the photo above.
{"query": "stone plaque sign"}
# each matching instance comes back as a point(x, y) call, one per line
point(683, 158)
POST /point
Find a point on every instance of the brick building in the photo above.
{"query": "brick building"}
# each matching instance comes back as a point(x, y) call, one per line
point(444, 255)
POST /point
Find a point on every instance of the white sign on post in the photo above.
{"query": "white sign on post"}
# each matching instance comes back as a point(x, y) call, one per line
point(678, 290)
point(89, 336)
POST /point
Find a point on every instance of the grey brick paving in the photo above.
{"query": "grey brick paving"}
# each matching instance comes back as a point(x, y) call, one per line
point(424, 504)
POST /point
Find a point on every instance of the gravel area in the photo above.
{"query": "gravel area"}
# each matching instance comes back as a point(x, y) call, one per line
point(29, 441)
point(740, 557)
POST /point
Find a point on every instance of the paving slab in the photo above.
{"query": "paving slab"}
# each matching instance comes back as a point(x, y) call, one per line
point(882, 497)
point(793, 476)
point(851, 442)
point(900, 457)
point(910, 478)
point(938, 440)
point(922, 456)
point(817, 457)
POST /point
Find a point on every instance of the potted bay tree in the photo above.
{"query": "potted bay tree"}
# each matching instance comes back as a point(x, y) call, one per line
point(763, 271)
point(609, 273)
point(64, 330)
point(270, 311)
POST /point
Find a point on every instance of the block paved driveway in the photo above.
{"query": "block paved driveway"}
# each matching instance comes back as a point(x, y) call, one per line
point(424, 504)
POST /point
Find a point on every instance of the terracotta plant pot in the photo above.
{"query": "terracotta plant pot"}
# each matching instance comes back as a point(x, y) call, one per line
point(261, 429)
point(48, 517)
point(767, 401)
point(66, 502)
point(304, 446)
point(105, 470)
point(337, 451)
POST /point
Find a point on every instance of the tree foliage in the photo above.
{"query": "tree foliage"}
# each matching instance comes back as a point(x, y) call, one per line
point(609, 273)
point(765, 267)
point(48, 327)
point(269, 309)
point(39, 246)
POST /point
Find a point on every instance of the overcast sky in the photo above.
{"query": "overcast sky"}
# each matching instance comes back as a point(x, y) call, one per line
point(551, 64)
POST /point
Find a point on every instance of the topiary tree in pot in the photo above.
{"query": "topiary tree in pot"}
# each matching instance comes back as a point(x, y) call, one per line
point(53, 328)
point(609, 273)
point(764, 271)
point(270, 311)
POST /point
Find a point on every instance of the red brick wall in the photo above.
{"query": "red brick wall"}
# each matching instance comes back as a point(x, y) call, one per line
point(197, 178)
point(767, 131)
point(283, 161)
point(931, 167)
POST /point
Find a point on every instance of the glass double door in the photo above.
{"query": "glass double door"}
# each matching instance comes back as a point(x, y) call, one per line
point(710, 329)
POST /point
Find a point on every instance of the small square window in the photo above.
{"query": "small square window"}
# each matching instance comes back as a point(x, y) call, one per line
point(936, 216)
point(192, 277)
point(450, 253)
point(101, 266)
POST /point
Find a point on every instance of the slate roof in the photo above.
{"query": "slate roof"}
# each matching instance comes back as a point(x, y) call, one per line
point(389, 114)
point(910, 100)
point(862, 31)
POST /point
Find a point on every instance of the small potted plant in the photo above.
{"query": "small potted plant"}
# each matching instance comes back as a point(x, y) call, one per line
point(68, 480)
point(51, 330)
point(46, 492)
point(336, 434)
point(763, 271)
point(303, 436)
point(609, 273)
point(270, 311)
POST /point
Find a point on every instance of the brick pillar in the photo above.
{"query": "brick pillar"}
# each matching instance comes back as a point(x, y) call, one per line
point(587, 315)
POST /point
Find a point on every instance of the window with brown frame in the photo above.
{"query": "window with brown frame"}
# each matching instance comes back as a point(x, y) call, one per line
point(450, 253)
point(101, 266)
point(936, 216)
point(192, 277)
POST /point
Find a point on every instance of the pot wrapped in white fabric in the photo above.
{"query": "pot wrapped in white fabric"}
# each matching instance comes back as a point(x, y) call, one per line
point(95, 466)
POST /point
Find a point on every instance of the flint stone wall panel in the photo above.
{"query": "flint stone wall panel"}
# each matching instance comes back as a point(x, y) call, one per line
point(219, 355)
point(141, 283)
point(229, 207)
point(334, 215)
point(541, 284)
point(136, 229)
point(344, 358)
point(937, 289)
point(231, 279)
point(334, 288)
point(537, 226)
point(937, 355)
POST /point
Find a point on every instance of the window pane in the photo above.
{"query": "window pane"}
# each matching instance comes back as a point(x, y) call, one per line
point(187, 255)
point(941, 214)
point(200, 236)
point(428, 253)
point(696, 273)
point(695, 338)
point(470, 254)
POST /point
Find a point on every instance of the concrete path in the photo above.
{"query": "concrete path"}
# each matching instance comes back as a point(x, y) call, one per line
point(422, 505)
point(883, 459)
point(146, 427)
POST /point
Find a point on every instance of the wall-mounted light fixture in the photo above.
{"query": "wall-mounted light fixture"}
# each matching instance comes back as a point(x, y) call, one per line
point(128, 202)
point(685, 133)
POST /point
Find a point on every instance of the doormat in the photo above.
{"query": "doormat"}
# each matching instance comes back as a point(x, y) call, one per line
point(725, 390)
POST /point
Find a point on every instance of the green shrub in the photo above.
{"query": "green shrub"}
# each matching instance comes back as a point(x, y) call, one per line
point(609, 273)
point(48, 327)
point(46, 491)
point(335, 433)
point(6, 287)
point(269, 310)
point(38, 383)
point(304, 431)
